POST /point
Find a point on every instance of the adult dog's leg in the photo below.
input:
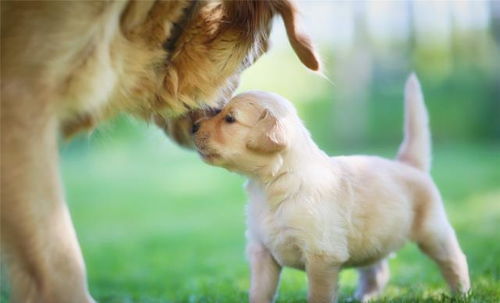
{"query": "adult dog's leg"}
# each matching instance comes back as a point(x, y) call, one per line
point(38, 240)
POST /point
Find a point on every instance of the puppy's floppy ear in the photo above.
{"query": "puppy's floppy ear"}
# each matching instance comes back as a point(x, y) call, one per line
point(300, 42)
point(268, 135)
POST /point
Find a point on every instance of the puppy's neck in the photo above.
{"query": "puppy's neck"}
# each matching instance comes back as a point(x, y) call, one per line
point(301, 165)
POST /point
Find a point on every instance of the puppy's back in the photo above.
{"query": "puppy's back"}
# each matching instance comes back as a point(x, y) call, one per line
point(383, 198)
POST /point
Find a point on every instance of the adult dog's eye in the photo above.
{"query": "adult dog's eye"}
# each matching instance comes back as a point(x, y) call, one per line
point(229, 119)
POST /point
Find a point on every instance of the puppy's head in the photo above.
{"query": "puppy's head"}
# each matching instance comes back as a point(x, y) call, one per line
point(248, 134)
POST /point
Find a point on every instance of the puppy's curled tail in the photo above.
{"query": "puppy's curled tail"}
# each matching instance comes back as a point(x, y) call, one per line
point(416, 147)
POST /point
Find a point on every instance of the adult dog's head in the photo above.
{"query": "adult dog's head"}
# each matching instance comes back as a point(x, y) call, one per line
point(207, 48)
point(172, 60)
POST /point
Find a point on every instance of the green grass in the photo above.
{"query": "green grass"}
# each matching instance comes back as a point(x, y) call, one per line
point(157, 225)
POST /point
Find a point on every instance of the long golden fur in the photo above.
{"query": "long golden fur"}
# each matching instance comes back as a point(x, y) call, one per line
point(65, 66)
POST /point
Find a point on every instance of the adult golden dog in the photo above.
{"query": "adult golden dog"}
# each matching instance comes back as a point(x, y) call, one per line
point(68, 65)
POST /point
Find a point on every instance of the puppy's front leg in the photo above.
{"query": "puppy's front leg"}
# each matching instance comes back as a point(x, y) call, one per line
point(265, 274)
point(322, 276)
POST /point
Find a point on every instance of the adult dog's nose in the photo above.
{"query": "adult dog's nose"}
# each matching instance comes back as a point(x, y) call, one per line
point(195, 128)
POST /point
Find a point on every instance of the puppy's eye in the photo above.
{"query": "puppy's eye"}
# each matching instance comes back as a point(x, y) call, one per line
point(229, 119)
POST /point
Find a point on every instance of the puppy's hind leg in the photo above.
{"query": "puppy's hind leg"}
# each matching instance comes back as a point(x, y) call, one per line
point(439, 242)
point(372, 280)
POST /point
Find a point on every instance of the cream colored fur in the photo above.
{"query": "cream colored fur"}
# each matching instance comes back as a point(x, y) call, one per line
point(322, 214)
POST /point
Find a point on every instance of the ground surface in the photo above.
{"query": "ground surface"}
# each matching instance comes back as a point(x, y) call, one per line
point(157, 225)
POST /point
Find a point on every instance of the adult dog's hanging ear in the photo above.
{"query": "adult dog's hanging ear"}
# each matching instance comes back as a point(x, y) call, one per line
point(268, 135)
point(301, 43)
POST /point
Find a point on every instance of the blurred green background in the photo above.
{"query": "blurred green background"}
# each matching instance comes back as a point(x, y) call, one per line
point(158, 225)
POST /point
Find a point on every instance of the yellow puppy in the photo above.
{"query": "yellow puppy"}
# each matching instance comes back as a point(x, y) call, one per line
point(321, 214)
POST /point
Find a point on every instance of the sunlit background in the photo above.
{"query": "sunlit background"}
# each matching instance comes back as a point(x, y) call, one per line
point(158, 225)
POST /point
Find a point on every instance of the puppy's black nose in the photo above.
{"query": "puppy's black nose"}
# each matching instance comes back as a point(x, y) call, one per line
point(195, 128)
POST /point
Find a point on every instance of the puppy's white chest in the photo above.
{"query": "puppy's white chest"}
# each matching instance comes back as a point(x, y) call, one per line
point(275, 230)
point(286, 249)
point(282, 241)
